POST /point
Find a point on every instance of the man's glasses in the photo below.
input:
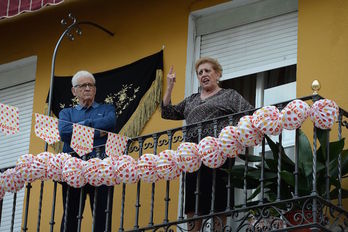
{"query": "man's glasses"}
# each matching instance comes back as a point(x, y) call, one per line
point(85, 85)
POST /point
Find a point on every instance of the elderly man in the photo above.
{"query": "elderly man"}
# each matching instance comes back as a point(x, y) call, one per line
point(98, 116)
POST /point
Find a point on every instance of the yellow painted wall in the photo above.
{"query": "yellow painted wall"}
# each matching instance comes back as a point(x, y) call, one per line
point(141, 28)
point(323, 54)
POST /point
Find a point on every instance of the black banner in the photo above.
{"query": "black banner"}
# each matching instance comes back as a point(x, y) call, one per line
point(124, 87)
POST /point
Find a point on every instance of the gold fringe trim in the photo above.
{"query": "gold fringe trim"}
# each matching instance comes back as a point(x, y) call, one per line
point(145, 109)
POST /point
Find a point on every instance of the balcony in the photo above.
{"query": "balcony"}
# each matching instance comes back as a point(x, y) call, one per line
point(259, 195)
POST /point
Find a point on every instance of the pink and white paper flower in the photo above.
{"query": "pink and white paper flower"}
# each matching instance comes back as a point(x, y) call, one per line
point(167, 166)
point(294, 114)
point(248, 134)
point(24, 167)
point(324, 113)
point(73, 172)
point(228, 142)
point(11, 181)
point(147, 169)
point(55, 166)
point(209, 152)
point(40, 166)
point(188, 157)
point(91, 170)
point(107, 171)
point(268, 120)
point(126, 169)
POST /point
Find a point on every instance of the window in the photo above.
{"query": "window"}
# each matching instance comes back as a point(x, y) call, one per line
point(17, 81)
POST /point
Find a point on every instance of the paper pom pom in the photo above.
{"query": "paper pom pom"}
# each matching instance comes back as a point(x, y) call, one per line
point(228, 142)
point(11, 181)
point(126, 169)
point(73, 172)
point(210, 154)
point(147, 170)
point(248, 135)
point(268, 120)
point(23, 167)
point(294, 114)
point(90, 171)
point(167, 166)
point(188, 157)
point(107, 171)
point(55, 166)
point(324, 113)
point(40, 165)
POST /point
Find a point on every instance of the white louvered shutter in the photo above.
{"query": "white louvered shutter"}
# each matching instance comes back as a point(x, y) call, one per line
point(255, 47)
point(13, 146)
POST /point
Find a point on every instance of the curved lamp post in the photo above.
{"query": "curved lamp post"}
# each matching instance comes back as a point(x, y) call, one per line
point(74, 27)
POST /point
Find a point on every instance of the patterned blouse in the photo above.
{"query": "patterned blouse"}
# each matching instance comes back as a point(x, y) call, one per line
point(193, 109)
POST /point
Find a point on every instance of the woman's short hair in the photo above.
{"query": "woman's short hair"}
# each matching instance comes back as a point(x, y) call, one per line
point(80, 74)
point(216, 65)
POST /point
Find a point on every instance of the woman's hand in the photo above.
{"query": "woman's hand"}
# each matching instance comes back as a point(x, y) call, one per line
point(171, 77)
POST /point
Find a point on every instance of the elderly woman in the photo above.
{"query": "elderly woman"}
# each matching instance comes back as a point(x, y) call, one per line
point(212, 101)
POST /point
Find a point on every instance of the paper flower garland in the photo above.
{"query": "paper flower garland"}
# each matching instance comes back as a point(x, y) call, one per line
point(324, 113)
point(167, 167)
point(294, 114)
point(168, 164)
point(188, 158)
point(248, 134)
point(147, 170)
point(228, 142)
point(268, 120)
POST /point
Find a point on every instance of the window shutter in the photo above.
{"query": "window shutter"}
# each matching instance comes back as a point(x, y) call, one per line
point(13, 146)
point(255, 47)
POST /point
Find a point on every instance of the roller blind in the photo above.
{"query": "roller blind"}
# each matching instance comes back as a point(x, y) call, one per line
point(13, 146)
point(255, 47)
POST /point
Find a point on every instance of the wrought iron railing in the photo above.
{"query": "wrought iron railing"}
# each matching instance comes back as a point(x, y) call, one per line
point(243, 213)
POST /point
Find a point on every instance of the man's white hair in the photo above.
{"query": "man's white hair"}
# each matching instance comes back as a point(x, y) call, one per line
point(80, 74)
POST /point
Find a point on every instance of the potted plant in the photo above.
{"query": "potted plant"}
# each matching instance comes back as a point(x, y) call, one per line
point(305, 172)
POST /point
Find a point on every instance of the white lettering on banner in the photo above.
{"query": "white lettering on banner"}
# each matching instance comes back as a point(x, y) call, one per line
point(7, 127)
point(77, 146)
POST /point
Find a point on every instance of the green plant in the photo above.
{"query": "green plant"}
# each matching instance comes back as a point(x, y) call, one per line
point(305, 169)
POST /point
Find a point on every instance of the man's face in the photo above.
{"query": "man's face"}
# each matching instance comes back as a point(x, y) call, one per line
point(84, 90)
